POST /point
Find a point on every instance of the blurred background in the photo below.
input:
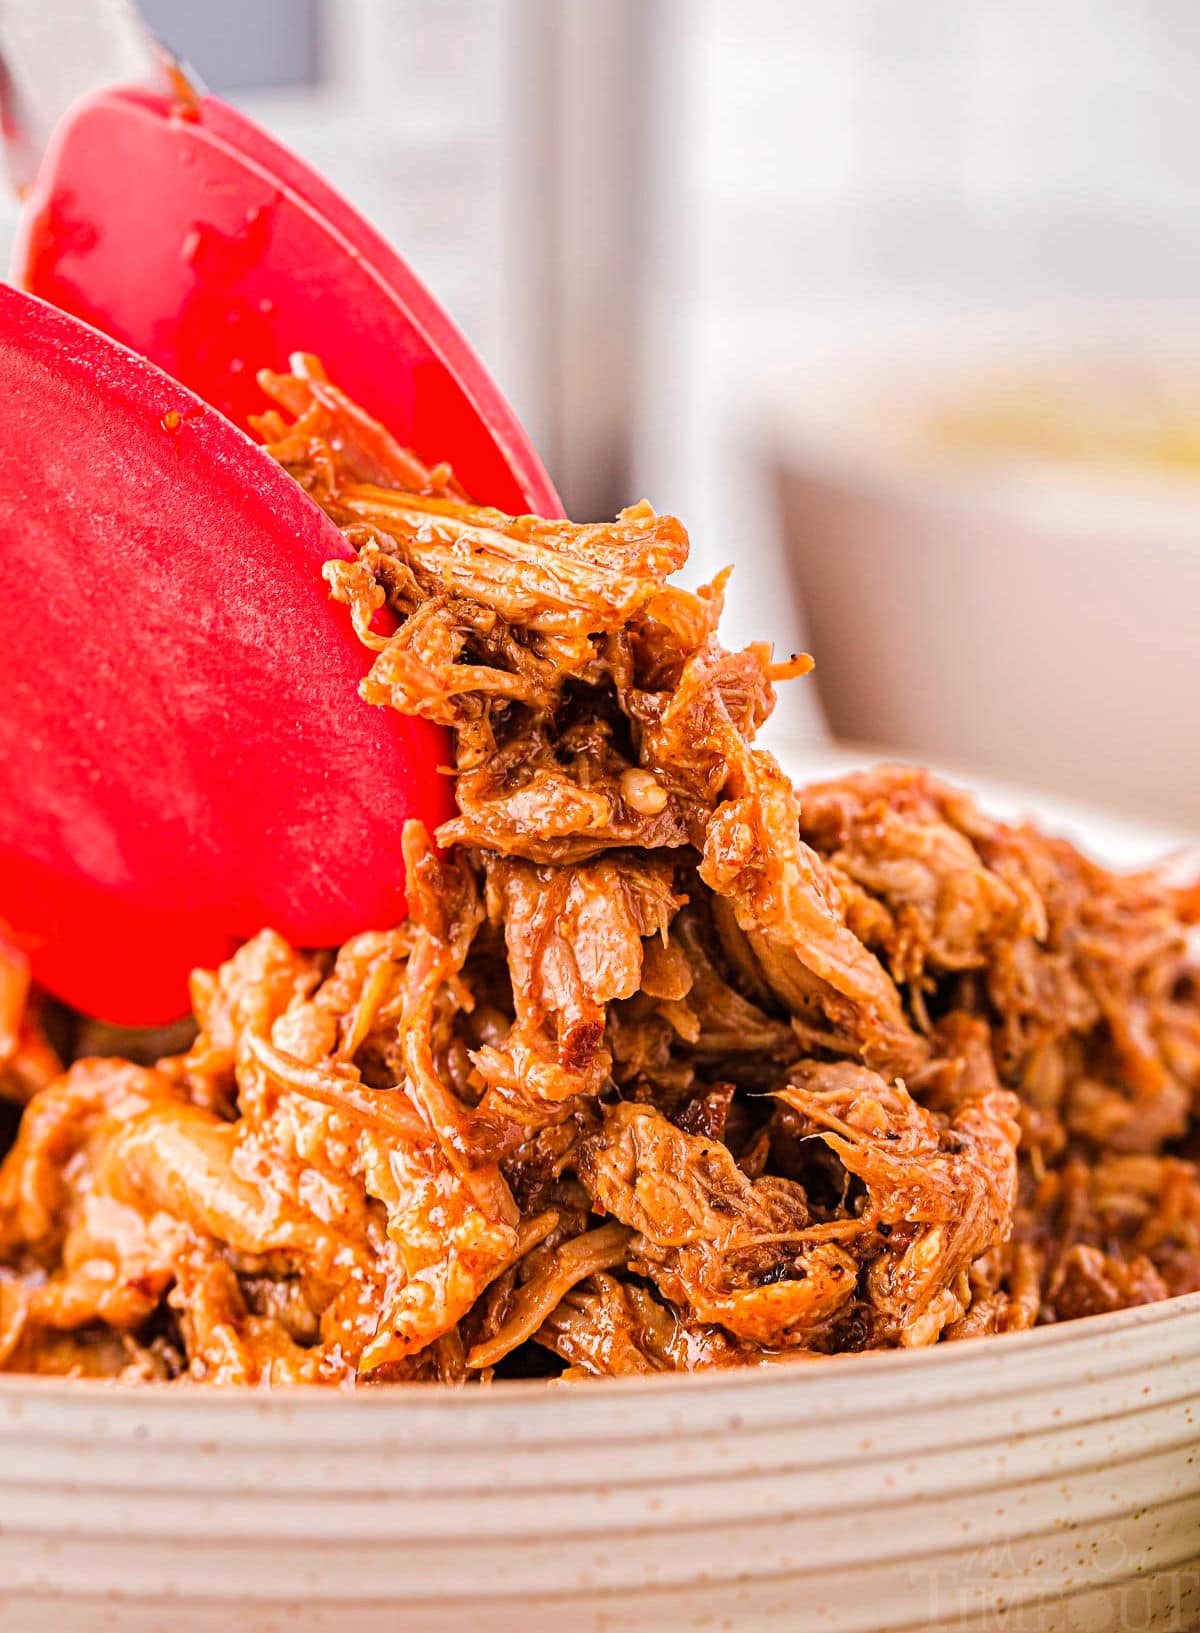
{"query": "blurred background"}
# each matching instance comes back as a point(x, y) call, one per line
point(893, 304)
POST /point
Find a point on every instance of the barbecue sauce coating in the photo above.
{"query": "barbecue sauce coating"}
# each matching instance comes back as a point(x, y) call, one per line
point(672, 1066)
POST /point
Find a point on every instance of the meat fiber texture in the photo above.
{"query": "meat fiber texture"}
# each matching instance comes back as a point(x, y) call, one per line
point(672, 1066)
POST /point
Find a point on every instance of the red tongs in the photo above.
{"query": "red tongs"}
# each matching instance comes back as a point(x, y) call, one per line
point(183, 755)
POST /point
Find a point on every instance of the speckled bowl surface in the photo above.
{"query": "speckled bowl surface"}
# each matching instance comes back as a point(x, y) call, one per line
point(1042, 1481)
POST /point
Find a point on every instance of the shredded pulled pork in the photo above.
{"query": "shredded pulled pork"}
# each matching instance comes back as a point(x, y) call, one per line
point(673, 1066)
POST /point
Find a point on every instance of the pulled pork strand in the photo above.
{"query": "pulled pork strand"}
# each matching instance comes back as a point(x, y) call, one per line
point(672, 1067)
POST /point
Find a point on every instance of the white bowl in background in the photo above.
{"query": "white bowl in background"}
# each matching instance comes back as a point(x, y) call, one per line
point(1042, 1482)
point(1030, 614)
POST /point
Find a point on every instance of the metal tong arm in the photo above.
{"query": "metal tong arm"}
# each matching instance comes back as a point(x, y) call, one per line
point(52, 52)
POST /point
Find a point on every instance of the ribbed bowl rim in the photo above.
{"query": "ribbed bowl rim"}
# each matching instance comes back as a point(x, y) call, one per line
point(1150, 1339)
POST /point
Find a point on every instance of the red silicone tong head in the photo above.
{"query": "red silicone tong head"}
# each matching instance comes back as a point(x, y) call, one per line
point(180, 228)
point(183, 755)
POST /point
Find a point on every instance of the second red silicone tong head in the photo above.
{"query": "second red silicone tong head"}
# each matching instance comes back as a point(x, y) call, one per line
point(180, 228)
point(184, 758)
point(164, 218)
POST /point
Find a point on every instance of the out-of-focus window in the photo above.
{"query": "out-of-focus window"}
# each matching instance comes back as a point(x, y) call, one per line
point(238, 45)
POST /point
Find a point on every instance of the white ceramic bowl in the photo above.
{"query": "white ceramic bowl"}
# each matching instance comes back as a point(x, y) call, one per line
point(1047, 1480)
point(1030, 614)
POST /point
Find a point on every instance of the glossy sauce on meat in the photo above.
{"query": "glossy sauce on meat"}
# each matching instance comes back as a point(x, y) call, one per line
point(673, 1066)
